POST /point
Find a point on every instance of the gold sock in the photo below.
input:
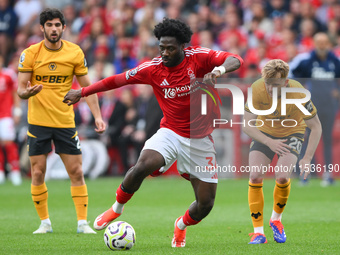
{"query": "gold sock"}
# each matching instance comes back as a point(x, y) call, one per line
point(281, 194)
point(39, 197)
point(80, 199)
point(256, 203)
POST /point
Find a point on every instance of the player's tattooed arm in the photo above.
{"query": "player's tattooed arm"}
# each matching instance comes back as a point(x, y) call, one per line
point(229, 65)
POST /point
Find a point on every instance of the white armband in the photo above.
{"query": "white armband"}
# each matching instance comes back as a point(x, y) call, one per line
point(219, 68)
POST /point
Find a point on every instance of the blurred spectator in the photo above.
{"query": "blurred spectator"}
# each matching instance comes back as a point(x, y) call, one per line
point(195, 25)
point(255, 34)
point(207, 40)
point(333, 31)
point(173, 10)
point(101, 68)
point(275, 38)
point(124, 60)
point(35, 35)
point(8, 22)
point(259, 12)
point(74, 23)
point(151, 13)
point(97, 37)
point(10, 114)
point(27, 11)
point(277, 6)
point(305, 39)
point(60, 4)
point(234, 35)
point(252, 73)
point(308, 11)
point(151, 51)
point(145, 123)
point(113, 112)
point(322, 70)
point(322, 13)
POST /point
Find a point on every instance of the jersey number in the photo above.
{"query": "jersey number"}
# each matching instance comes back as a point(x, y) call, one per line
point(78, 142)
point(295, 144)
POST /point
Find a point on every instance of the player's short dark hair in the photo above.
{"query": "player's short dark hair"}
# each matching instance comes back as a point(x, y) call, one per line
point(50, 14)
point(174, 28)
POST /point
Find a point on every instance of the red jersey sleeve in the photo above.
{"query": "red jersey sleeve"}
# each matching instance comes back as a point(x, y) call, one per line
point(138, 75)
point(208, 58)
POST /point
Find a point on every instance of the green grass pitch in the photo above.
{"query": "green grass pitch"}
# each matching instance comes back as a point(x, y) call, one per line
point(311, 219)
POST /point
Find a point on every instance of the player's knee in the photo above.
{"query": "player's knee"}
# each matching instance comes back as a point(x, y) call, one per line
point(255, 179)
point(282, 180)
point(206, 206)
point(142, 169)
point(38, 175)
point(76, 174)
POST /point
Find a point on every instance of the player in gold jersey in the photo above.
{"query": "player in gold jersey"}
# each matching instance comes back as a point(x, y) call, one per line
point(277, 133)
point(46, 71)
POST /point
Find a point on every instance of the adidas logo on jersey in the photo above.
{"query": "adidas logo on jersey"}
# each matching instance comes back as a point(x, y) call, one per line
point(165, 83)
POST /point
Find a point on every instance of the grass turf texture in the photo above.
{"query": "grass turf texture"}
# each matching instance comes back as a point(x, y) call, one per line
point(311, 219)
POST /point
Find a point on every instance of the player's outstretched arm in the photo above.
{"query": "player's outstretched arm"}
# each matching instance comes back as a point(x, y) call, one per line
point(72, 97)
point(230, 64)
point(276, 145)
point(92, 102)
point(25, 90)
point(315, 126)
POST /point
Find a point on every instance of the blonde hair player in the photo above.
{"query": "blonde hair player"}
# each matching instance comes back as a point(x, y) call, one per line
point(270, 137)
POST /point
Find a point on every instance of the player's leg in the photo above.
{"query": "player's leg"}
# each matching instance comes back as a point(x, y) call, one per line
point(205, 196)
point(11, 149)
point(13, 160)
point(73, 165)
point(40, 193)
point(160, 150)
point(284, 168)
point(39, 145)
point(147, 163)
point(258, 165)
point(197, 159)
point(67, 145)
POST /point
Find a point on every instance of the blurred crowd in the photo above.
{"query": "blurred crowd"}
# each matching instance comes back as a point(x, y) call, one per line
point(116, 35)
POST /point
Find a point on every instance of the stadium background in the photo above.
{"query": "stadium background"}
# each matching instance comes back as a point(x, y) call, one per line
point(116, 35)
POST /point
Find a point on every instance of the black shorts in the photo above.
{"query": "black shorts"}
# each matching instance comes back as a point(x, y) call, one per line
point(40, 139)
point(294, 141)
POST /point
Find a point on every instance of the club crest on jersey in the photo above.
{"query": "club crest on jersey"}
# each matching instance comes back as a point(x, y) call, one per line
point(131, 73)
point(52, 66)
point(191, 74)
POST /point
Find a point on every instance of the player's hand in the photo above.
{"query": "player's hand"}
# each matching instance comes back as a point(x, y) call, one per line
point(32, 90)
point(100, 126)
point(210, 78)
point(72, 97)
point(279, 146)
point(304, 165)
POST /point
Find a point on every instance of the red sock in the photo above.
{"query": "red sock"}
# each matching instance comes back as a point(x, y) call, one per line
point(12, 155)
point(188, 220)
point(121, 196)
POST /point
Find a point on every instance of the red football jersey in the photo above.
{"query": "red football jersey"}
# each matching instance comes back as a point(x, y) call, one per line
point(7, 86)
point(177, 89)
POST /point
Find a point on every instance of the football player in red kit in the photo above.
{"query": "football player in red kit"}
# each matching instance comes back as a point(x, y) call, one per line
point(182, 136)
point(10, 113)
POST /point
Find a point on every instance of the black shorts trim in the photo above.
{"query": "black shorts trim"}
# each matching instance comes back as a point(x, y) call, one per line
point(295, 141)
point(39, 140)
